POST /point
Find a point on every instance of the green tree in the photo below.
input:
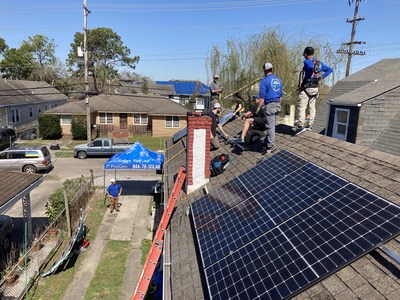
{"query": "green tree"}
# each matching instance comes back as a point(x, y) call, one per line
point(78, 128)
point(240, 63)
point(17, 64)
point(49, 126)
point(47, 67)
point(106, 52)
point(41, 48)
point(3, 46)
point(34, 60)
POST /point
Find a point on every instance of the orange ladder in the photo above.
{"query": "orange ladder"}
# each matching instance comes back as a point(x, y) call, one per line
point(156, 246)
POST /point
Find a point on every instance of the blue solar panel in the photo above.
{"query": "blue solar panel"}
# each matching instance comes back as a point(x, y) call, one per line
point(255, 215)
point(244, 186)
point(305, 248)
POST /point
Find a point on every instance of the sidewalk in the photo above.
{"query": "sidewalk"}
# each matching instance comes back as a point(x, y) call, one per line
point(129, 224)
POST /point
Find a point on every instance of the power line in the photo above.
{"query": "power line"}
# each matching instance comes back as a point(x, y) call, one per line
point(167, 7)
point(349, 52)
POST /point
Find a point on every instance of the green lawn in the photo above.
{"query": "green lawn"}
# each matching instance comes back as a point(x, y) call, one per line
point(152, 143)
point(64, 154)
point(145, 247)
point(54, 286)
point(109, 276)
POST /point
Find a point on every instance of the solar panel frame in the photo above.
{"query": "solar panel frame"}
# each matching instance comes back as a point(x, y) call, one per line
point(295, 236)
point(244, 186)
point(269, 207)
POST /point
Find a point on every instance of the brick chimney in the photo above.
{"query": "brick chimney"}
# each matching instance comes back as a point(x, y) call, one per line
point(198, 151)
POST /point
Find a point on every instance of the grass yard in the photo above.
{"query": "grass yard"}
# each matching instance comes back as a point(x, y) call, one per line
point(54, 286)
point(64, 154)
point(109, 277)
point(152, 143)
point(145, 247)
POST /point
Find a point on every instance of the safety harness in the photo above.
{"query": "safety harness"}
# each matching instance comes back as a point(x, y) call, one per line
point(313, 81)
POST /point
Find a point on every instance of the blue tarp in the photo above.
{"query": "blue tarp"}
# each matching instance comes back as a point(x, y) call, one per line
point(136, 157)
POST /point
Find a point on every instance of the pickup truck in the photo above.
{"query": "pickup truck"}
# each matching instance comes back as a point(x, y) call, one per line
point(100, 147)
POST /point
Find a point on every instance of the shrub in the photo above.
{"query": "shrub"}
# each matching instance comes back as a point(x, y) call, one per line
point(78, 128)
point(49, 126)
point(56, 203)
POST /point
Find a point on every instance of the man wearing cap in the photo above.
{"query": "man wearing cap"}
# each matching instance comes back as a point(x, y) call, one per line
point(270, 105)
point(253, 121)
point(215, 89)
point(114, 190)
point(312, 73)
point(215, 123)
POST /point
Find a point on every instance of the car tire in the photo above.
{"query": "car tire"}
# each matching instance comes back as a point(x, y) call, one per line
point(7, 243)
point(29, 169)
point(82, 155)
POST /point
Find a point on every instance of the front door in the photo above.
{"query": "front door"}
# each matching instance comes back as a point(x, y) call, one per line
point(123, 121)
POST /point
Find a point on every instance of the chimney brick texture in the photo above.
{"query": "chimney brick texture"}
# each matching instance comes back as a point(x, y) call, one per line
point(198, 151)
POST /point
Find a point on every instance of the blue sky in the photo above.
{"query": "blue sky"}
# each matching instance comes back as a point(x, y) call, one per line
point(174, 37)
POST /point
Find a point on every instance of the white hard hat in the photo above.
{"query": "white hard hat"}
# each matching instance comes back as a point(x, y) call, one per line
point(112, 180)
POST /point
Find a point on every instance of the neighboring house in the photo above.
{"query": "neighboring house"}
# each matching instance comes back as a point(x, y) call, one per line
point(123, 114)
point(374, 275)
point(22, 101)
point(364, 108)
point(190, 91)
point(128, 86)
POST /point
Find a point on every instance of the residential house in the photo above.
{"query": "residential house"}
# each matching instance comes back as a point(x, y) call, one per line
point(373, 275)
point(126, 115)
point(22, 101)
point(190, 92)
point(364, 108)
point(129, 86)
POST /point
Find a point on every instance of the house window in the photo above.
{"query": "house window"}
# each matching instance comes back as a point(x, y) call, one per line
point(140, 119)
point(15, 116)
point(200, 101)
point(341, 123)
point(106, 118)
point(30, 112)
point(46, 107)
point(172, 122)
point(39, 109)
point(65, 120)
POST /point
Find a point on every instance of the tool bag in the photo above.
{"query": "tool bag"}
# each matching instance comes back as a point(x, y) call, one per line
point(219, 164)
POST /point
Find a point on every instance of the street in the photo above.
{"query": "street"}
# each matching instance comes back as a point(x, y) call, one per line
point(68, 168)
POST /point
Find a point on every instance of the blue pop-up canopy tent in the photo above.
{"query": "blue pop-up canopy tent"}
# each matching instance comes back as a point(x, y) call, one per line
point(136, 157)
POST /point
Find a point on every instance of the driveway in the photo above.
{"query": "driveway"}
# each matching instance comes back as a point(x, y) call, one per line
point(67, 168)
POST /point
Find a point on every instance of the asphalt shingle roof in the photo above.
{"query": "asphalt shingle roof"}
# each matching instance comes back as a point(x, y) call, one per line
point(13, 183)
point(374, 276)
point(18, 92)
point(152, 105)
point(364, 85)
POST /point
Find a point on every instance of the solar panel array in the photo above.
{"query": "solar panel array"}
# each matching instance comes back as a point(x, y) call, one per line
point(301, 224)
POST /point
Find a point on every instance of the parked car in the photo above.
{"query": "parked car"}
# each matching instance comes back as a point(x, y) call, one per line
point(100, 147)
point(7, 137)
point(6, 225)
point(26, 159)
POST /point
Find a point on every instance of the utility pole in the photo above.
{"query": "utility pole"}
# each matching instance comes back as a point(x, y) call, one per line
point(85, 55)
point(351, 44)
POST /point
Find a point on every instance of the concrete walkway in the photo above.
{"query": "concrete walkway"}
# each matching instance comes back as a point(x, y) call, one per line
point(129, 224)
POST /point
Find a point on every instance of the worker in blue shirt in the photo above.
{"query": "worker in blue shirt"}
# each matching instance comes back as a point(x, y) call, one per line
point(312, 73)
point(269, 105)
point(114, 190)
